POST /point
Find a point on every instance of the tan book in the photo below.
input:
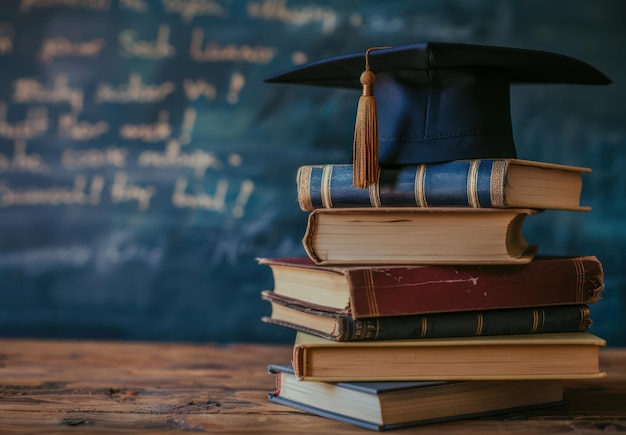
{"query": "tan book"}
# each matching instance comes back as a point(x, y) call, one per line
point(418, 236)
point(571, 355)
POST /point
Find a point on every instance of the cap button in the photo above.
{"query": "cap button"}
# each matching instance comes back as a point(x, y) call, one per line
point(368, 78)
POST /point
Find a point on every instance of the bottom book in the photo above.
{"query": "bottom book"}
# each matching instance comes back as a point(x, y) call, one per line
point(391, 405)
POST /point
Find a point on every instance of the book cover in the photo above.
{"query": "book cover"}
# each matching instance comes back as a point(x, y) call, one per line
point(391, 405)
point(497, 183)
point(570, 355)
point(418, 236)
point(342, 327)
point(363, 291)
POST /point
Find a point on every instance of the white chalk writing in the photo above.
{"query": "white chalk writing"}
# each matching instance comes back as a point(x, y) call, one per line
point(22, 161)
point(6, 37)
point(189, 9)
point(29, 90)
point(124, 190)
point(188, 124)
point(149, 132)
point(70, 128)
point(214, 52)
point(35, 124)
point(194, 89)
point(198, 160)
point(81, 193)
point(298, 58)
point(277, 10)
point(237, 81)
point(160, 48)
point(245, 191)
point(202, 200)
point(134, 5)
point(96, 5)
point(52, 48)
point(235, 160)
point(133, 91)
point(121, 247)
point(94, 157)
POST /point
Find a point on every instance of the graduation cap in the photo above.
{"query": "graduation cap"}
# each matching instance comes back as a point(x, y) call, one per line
point(436, 102)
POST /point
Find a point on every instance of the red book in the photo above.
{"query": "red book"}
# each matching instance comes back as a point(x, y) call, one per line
point(405, 290)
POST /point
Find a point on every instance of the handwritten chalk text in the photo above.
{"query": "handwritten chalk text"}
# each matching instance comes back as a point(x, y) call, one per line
point(22, 161)
point(124, 190)
point(35, 124)
point(214, 202)
point(149, 132)
point(29, 90)
point(160, 48)
point(96, 5)
point(6, 37)
point(94, 158)
point(277, 10)
point(134, 5)
point(70, 128)
point(134, 91)
point(195, 89)
point(52, 48)
point(172, 157)
point(189, 9)
point(81, 193)
point(214, 52)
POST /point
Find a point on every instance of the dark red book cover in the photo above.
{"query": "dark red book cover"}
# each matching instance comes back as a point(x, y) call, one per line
point(405, 290)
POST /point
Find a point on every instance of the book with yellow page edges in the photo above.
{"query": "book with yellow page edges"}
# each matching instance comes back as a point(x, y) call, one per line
point(392, 405)
point(571, 355)
point(396, 235)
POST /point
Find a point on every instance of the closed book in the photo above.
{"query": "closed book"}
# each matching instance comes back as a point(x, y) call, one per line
point(388, 235)
point(567, 355)
point(375, 291)
point(342, 327)
point(392, 405)
point(497, 183)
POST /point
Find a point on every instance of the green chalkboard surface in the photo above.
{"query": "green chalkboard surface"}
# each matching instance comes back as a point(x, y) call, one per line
point(144, 163)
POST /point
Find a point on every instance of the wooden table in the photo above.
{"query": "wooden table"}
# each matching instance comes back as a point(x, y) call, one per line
point(138, 388)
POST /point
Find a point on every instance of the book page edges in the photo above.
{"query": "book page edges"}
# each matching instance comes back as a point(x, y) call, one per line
point(419, 422)
point(544, 339)
point(298, 361)
point(391, 377)
point(298, 263)
point(319, 259)
point(524, 259)
point(548, 165)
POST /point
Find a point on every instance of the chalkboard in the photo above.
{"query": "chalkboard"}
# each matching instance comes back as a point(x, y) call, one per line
point(144, 164)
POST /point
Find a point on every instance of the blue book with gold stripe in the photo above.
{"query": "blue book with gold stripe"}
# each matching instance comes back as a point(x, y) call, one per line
point(484, 183)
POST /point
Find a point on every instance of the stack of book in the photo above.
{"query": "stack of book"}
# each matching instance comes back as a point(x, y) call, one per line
point(421, 301)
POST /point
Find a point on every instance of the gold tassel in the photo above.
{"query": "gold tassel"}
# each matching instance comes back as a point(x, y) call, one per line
point(365, 149)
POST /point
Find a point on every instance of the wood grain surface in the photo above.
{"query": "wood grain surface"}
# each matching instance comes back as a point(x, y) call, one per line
point(59, 387)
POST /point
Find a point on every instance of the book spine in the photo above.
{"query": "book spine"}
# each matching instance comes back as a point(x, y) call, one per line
point(299, 361)
point(466, 183)
point(568, 318)
point(381, 291)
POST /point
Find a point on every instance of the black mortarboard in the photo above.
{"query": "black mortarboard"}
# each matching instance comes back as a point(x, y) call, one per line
point(440, 101)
